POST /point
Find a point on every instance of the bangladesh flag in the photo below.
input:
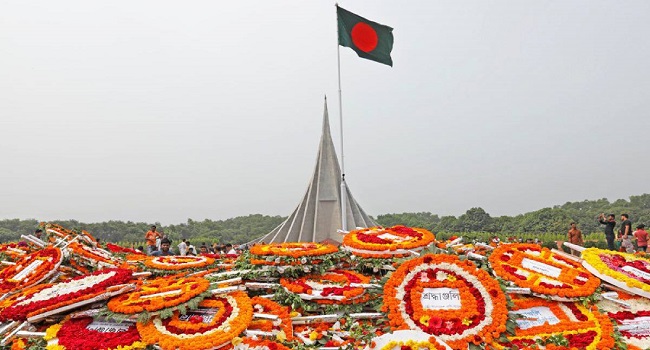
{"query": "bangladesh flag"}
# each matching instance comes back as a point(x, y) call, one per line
point(368, 39)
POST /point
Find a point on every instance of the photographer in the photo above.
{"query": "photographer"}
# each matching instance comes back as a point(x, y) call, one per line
point(610, 223)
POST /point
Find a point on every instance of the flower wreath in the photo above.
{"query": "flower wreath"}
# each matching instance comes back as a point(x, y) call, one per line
point(325, 333)
point(379, 242)
point(42, 298)
point(296, 253)
point(14, 250)
point(93, 255)
point(334, 287)
point(82, 334)
point(624, 270)
point(631, 319)
point(55, 229)
point(463, 304)
point(407, 340)
point(119, 249)
point(216, 323)
point(266, 306)
point(258, 344)
point(543, 271)
point(158, 294)
point(66, 234)
point(30, 270)
point(582, 327)
point(173, 264)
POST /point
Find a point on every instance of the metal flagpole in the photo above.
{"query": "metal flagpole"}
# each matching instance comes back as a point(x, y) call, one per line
point(344, 217)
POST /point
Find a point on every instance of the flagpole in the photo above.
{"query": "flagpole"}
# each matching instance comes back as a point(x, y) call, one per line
point(344, 217)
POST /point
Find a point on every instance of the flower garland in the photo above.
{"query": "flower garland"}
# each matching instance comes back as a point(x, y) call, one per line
point(42, 298)
point(446, 297)
point(219, 320)
point(543, 271)
point(258, 344)
point(631, 270)
point(158, 294)
point(379, 242)
point(407, 340)
point(119, 249)
point(334, 287)
point(266, 306)
point(325, 333)
point(55, 229)
point(82, 334)
point(14, 250)
point(174, 264)
point(294, 250)
point(636, 337)
point(631, 320)
point(95, 256)
point(30, 270)
point(542, 320)
point(298, 253)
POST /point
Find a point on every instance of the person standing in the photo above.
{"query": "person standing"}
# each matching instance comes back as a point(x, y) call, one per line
point(182, 248)
point(575, 237)
point(610, 223)
point(150, 237)
point(190, 249)
point(641, 237)
point(625, 233)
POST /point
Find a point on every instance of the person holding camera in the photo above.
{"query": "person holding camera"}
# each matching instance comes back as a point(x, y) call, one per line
point(610, 223)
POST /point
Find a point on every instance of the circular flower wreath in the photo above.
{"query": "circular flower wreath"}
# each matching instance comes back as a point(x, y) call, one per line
point(582, 327)
point(158, 294)
point(378, 242)
point(266, 306)
point(541, 270)
point(174, 264)
point(293, 253)
point(482, 314)
point(231, 314)
point(77, 334)
point(42, 298)
point(30, 270)
point(334, 287)
point(621, 269)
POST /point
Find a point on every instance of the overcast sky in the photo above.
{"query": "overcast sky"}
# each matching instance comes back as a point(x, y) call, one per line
point(168, 110)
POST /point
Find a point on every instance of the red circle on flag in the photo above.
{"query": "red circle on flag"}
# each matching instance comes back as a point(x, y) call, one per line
point(364, 37)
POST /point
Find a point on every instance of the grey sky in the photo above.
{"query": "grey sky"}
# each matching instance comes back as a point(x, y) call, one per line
point(164, 110)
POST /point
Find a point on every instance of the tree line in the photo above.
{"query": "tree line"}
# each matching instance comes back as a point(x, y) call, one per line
point(241, 229)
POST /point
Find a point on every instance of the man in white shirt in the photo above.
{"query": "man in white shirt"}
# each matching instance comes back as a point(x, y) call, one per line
point(182, 247)
point(230, 250)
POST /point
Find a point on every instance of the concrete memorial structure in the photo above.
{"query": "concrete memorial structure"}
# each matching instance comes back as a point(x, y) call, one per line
point(318, 216)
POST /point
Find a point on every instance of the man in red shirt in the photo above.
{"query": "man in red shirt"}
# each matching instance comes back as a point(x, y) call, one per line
point(641, 237)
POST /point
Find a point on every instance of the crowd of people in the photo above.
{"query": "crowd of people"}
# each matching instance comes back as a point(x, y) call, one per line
point(625, 239)
point(158, 244)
